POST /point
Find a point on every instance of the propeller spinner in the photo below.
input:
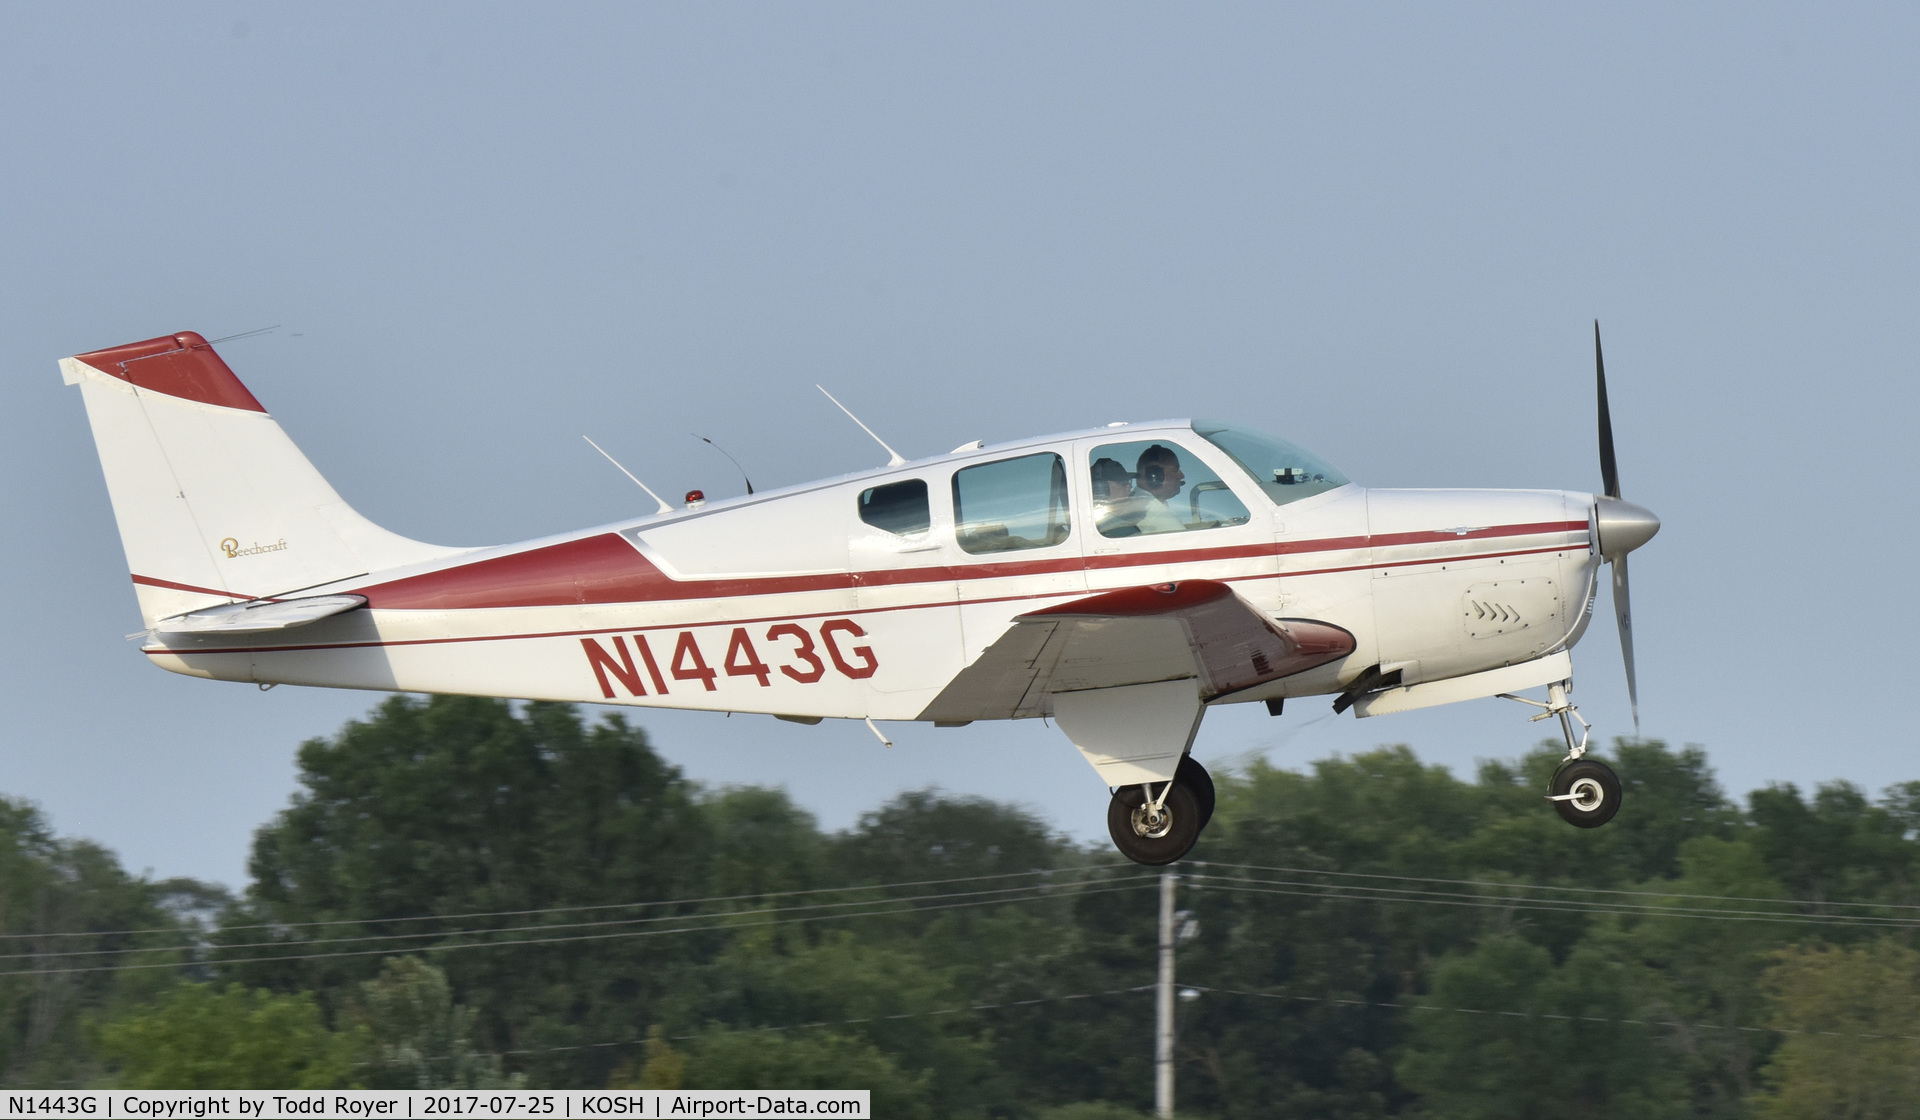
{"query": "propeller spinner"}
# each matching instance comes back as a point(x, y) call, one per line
point(1619, 526)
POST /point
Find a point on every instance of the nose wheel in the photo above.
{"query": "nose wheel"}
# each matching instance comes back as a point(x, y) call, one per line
point(1156, 824)
point(1584, 791)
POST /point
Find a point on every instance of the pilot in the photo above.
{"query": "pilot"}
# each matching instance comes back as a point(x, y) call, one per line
point(1160, 478)
point(1116, 509)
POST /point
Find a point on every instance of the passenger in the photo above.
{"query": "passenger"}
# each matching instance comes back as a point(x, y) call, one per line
point(1160, 478)
point(1116, 510)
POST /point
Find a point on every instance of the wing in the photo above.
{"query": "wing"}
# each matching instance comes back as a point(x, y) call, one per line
point(1194, 629)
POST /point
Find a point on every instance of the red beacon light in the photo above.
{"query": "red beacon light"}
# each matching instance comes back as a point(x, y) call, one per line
point(696, 499)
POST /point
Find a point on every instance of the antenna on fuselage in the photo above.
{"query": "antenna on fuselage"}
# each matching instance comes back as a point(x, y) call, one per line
point(894, 459)
point(730, 459)
point(664, 507)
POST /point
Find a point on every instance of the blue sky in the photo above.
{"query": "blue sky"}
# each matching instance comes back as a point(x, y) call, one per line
point(1382, 231)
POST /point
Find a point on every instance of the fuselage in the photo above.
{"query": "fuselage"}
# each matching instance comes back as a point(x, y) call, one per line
point(864, 596)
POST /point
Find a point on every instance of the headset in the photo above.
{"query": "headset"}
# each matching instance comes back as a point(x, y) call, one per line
point(1153, 475)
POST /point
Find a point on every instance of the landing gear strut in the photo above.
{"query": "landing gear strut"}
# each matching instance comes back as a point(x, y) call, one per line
point(1584, 791)
point(1157, 823)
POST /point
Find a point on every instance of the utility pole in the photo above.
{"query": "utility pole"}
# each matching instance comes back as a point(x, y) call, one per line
point(1163, 1005)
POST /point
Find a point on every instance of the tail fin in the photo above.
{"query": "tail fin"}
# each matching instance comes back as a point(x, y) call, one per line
point(214, 502)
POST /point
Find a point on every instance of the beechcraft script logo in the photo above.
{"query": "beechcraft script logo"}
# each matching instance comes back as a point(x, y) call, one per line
point(231, 546)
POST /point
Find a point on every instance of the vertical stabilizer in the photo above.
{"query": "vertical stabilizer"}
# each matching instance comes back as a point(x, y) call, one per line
point(213, 501)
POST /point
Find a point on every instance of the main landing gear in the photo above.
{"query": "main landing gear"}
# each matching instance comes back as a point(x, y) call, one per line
point(1156, 824)
point(1584, 791)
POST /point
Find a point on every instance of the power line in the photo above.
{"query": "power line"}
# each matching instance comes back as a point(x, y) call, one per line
point(1043, 889)
point(843, 1022)
point(1541, 1014)
point(550, 940)
point(1550, 886)
point(1597, 907)
point(1095, 866)
point(1215, 882)
point(1092, 867)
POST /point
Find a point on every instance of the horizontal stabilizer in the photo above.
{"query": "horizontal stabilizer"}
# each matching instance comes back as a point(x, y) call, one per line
point(262, 617)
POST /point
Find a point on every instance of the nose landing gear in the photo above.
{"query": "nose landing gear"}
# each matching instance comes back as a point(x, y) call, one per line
point(1157, 824)
point(1584, 791)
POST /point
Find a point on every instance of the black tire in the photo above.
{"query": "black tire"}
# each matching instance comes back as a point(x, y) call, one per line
point(1595, 790)
point(1143, 841)
point(1195, 777)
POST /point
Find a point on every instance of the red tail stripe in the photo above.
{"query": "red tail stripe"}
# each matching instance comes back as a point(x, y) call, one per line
point(179, 365)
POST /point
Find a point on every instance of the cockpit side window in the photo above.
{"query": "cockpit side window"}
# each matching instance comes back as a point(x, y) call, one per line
point(1011, 504)
point(900, 508)
point(1153, 486)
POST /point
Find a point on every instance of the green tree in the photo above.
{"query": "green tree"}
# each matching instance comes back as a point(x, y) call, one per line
point(1852, 1017)
point(1702, 976)
point(762, 842)
point(814, 1059)
point(923, 835)
point(657, 1066)
point(1304, 912)
point(1090, 1110)
point(457, 806)
point(200, 1036)
point(65, 903)
point(413, 1036)
point(887, 995)
point(1505, 1033)
point(1836, 846)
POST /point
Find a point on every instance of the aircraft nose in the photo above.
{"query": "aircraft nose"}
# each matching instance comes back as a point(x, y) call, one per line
point(1620, 526)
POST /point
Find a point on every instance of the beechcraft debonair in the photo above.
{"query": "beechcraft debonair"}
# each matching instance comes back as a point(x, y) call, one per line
point(1120, 580)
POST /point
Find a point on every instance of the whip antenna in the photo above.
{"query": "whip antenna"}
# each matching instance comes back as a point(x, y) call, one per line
point(894, 459)
point(664, 507)
point(730, 459)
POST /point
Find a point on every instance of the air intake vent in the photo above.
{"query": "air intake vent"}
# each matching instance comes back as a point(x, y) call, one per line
point(1507, 607)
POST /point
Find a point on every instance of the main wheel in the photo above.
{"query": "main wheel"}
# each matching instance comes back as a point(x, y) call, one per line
point(1145, 836)
point(1195, 777)
point(1586, 792)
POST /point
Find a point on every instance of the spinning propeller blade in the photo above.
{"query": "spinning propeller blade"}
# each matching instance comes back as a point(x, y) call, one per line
point(1622, 527)
point(1609, 469)
point(1623, 614)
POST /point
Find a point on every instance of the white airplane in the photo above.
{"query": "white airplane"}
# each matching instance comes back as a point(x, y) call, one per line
point(1119, 580)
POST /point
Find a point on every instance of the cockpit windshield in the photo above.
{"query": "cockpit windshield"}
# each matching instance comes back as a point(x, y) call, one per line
point(1284, 471)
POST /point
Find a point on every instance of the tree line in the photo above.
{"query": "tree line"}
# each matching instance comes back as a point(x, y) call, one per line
point(466, 892)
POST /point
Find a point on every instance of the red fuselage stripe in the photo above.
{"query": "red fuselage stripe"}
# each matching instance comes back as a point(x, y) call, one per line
point(606, 569)
point(835, 612)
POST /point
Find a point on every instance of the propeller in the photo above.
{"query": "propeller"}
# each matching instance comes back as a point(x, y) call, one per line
point(1620, 527)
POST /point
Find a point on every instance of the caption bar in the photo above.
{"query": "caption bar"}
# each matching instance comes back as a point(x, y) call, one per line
point(196, 1104)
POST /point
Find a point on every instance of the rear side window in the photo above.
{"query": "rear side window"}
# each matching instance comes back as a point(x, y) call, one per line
point(1012, 504)
point(900, 508)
